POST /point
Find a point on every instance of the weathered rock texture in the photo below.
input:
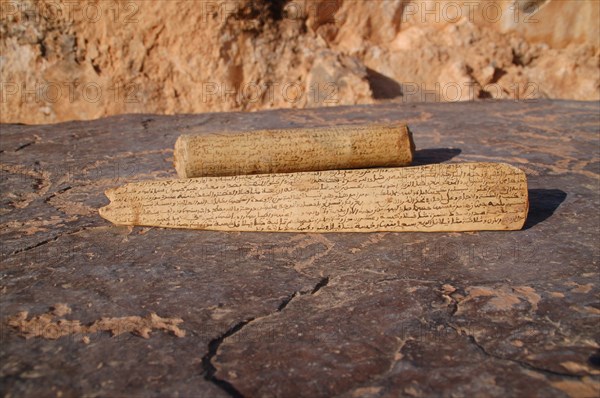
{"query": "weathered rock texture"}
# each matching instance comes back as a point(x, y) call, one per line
point(65, 61)
point(491, 314)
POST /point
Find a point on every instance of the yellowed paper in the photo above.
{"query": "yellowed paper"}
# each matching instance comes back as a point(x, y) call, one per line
point(293, 150)
point(443, 197)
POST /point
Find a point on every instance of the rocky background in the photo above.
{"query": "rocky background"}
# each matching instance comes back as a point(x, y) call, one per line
point(70, 61)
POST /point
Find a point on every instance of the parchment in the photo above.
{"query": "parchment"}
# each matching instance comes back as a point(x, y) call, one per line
point(443, 197)
point(293, 150)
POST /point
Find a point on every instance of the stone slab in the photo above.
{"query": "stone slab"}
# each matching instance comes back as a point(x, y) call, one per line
point(282, 314)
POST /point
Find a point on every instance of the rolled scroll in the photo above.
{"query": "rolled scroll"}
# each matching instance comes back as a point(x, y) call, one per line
point(441, 197)
point(293, 150)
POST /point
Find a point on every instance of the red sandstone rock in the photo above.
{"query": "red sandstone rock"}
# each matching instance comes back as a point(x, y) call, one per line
point(64, 62)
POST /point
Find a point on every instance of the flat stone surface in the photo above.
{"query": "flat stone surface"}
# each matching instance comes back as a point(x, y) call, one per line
point(316, 315)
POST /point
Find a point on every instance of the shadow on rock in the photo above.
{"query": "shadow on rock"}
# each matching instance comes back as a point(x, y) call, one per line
point(542, 204)
point(434, 155)
point(382, 86)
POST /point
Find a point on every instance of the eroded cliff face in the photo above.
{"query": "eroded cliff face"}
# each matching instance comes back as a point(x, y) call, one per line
point(64, 61)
